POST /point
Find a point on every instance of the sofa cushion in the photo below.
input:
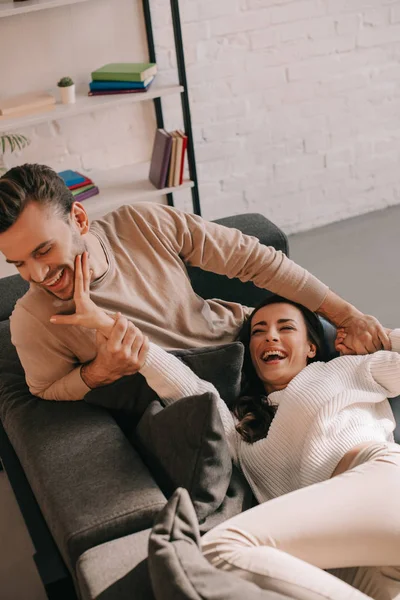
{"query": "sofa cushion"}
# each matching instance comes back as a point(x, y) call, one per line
point(112, 570)
point(178, 569)
point(184, 446)
point(219, 364)
point(222, 365)
point(116, 570)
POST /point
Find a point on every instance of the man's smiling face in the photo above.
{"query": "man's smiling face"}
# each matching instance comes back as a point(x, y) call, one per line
point(43, 246)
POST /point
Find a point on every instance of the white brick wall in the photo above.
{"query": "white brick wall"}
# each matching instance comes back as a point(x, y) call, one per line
point(295, 103)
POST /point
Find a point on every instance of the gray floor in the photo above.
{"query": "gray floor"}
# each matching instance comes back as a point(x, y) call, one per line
point(357, 258)
point(18, 576)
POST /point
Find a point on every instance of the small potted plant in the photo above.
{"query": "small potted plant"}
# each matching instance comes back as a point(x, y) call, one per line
point(11, 142)
point(67, 88)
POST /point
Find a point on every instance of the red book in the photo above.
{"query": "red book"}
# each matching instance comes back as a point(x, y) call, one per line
point(185, 141)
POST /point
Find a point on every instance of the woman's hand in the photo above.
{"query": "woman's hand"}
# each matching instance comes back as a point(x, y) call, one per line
point(87, 313)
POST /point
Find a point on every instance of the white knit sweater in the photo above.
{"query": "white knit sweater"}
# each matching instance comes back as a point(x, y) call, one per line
point(326, 410)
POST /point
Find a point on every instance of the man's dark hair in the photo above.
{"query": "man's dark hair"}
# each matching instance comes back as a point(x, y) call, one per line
point(32, 183)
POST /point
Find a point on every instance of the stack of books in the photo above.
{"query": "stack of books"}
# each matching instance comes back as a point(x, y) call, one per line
point(26, 104)
point(81, 186)
point(168, 158)
point(122, 78)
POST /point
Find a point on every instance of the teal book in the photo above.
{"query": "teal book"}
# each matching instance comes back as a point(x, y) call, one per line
point(98, 86)
point(72, 178)
point(125, 72)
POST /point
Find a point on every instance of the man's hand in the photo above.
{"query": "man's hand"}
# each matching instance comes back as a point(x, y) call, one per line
point(87, 313)
point(356, 333)
point(121, 347)
point(361, 334)
point(123, 353)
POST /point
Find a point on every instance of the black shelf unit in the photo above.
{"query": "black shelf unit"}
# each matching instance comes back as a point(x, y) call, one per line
point(187, 119)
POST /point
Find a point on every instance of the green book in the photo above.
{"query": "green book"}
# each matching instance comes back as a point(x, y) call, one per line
point(125, 72)
point(84, 188)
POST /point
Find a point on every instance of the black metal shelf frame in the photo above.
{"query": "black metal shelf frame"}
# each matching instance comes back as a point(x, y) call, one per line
point(187, 120)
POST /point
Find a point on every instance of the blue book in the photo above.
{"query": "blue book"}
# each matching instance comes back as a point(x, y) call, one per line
point(71, 177)
point(97, 86)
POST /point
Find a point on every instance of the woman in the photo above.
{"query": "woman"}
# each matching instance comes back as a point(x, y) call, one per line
point(315, 442)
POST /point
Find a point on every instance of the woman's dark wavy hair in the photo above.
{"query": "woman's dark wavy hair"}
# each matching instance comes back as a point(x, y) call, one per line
point(252, 408)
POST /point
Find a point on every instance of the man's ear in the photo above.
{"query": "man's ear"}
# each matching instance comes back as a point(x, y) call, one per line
point(79, 217)
point(313, 351)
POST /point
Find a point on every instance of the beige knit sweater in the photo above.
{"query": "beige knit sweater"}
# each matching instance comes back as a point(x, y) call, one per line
point(147, 246)
point(325, 411)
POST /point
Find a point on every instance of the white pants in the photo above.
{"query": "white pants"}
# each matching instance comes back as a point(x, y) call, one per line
point(349, 525)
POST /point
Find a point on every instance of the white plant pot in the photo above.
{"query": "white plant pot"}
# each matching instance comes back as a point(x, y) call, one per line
point(68, 94)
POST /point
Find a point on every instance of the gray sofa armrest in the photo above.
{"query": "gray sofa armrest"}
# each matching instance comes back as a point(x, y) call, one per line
point(89, 482)
point(211, 285)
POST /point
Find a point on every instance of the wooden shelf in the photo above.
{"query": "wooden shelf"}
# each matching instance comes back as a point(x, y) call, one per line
point(9, 9)
point(87, 104)
point(124, 185)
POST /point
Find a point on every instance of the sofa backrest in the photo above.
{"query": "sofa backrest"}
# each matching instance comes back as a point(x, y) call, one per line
point(211, 285)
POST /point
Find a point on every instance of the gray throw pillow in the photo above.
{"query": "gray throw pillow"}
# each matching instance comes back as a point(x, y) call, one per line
point(222, 365)
point(238, 498)
point(178, 569)
point(184, 446)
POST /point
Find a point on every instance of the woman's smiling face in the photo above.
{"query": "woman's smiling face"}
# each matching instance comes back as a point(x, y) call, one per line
point(279, 344)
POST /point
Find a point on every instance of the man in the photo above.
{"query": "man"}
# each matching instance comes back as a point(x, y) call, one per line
point(137, 258)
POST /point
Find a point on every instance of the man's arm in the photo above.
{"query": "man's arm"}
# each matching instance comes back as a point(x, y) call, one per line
point(51, 369)
point(229, 252)
point(53, 372)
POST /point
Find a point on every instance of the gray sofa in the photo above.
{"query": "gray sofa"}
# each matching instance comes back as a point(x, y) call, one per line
point(86, 494)
point(87, 485)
